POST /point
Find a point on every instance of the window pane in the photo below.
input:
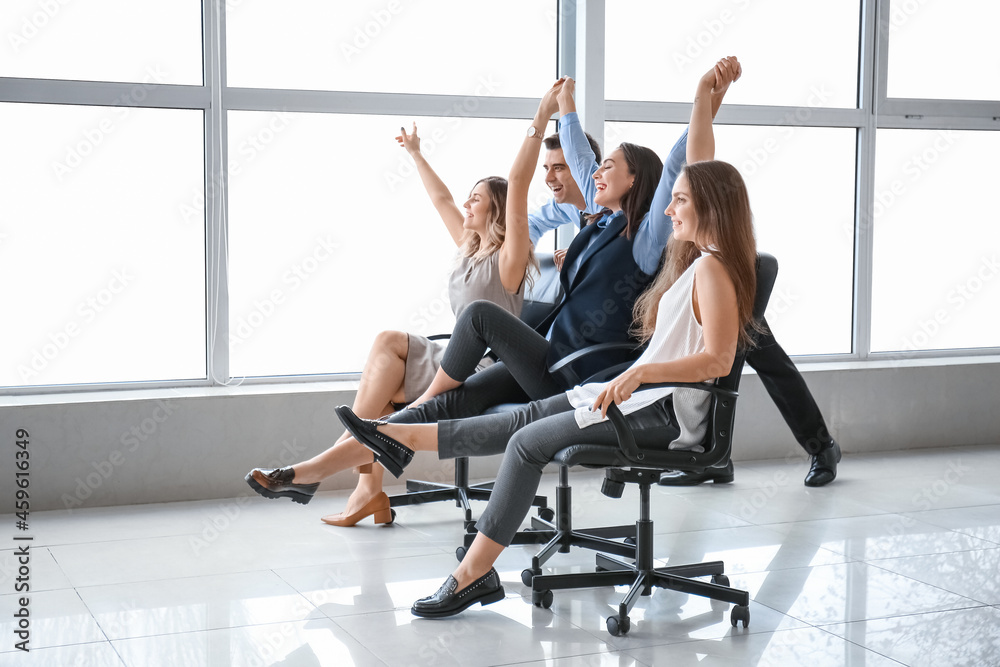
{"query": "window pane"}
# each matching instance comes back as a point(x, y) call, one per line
point(657, 50)
point(452, 47)
point(332, 237)
point(101, 244)
point(801, 183)
point(103, 40)
point(935, 282)
point(944, 50)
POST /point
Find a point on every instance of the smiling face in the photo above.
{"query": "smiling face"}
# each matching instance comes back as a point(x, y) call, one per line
point(613, 180)
point(477, 209)
point(560, 180)
point(681, 211)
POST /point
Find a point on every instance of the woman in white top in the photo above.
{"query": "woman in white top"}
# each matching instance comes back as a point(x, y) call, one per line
point(493, 263)
point(693, 316)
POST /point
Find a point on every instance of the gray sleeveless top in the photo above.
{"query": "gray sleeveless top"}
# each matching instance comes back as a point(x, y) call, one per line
point(480, 279)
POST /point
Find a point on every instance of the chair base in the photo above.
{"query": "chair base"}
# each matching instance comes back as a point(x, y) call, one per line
point(643, 577)
point(559, 536)
point(461, 492)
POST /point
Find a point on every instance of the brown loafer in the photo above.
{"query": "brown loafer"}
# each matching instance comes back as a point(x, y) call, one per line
point(277, 483)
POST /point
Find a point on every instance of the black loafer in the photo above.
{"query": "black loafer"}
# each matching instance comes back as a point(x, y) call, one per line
point(824, 465)
point(277, 483)
point(391, 453)
point(448, 601)
point(683, 478)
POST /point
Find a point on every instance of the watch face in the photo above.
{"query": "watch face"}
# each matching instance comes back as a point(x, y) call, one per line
point(532, 131)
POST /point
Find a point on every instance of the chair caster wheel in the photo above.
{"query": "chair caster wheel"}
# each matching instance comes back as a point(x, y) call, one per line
point(392, 513)
point(618, 626)
point(470, 526)
point(740, 613)
point(630, 540)
point(720, 580)
point(527, 575)
point(460, 553)
point(541, 599)
point(546, 513)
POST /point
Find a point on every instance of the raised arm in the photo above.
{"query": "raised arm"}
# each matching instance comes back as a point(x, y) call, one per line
point(516, 247)
point(715, 302)
point(707, 99)
point(579, 155)
point(440, 196)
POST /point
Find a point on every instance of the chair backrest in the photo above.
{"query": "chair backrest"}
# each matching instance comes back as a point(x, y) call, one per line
point(719, 435)
point(722, 413)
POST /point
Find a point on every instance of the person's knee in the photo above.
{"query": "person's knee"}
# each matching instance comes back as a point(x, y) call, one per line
point(479, 312)
point(393, 343)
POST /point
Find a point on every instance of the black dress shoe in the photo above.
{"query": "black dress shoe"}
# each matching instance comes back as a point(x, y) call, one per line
point(448, 601)
point(391, 453)
point(684, 478)
point(824, 465)
point(277, 483)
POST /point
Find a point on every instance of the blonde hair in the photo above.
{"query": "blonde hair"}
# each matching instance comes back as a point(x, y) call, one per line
point(482, 247)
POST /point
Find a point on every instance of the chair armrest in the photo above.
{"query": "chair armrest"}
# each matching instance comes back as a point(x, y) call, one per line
point(439, 337)
point(563, 367)
point(626, 439)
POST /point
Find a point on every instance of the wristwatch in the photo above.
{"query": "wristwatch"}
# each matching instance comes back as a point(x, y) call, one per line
point(533, 132)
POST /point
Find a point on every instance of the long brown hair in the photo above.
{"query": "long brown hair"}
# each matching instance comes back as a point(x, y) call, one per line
point(725, 230)
point(479, 248)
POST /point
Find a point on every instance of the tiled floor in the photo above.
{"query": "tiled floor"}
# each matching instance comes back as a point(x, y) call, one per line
point(895, 563)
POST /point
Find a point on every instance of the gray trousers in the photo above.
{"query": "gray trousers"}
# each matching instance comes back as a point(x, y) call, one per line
point(530, 436)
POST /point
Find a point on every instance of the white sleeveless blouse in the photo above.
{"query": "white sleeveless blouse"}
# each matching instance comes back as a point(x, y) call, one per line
point(677, 334)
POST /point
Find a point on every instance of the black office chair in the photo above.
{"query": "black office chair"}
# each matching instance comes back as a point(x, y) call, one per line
point(642, 463)
point(543, 296)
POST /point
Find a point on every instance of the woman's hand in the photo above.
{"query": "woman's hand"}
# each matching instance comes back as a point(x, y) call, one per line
point(619, 390)
point(411, 142)
point(566, 96)
point(717, 79)
point(559, 256)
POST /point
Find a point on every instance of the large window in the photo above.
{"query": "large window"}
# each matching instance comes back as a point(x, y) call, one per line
point(103, 273)
point(333, 238)
point(796, 51)
point(199, 192)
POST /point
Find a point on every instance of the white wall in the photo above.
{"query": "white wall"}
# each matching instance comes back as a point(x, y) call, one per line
point(146, 447)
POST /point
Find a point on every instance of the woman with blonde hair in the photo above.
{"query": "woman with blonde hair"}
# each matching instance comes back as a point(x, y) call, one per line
point(494, 263)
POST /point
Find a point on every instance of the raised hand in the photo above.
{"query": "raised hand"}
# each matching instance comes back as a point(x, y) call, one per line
point(550, 103)
point(566, 95)
point(411, 142)
point(725, 72)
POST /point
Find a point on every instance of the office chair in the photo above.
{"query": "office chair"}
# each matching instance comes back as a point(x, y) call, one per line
point(636, 461)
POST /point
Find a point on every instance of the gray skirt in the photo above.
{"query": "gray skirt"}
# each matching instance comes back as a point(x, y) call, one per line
point(423, 359)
